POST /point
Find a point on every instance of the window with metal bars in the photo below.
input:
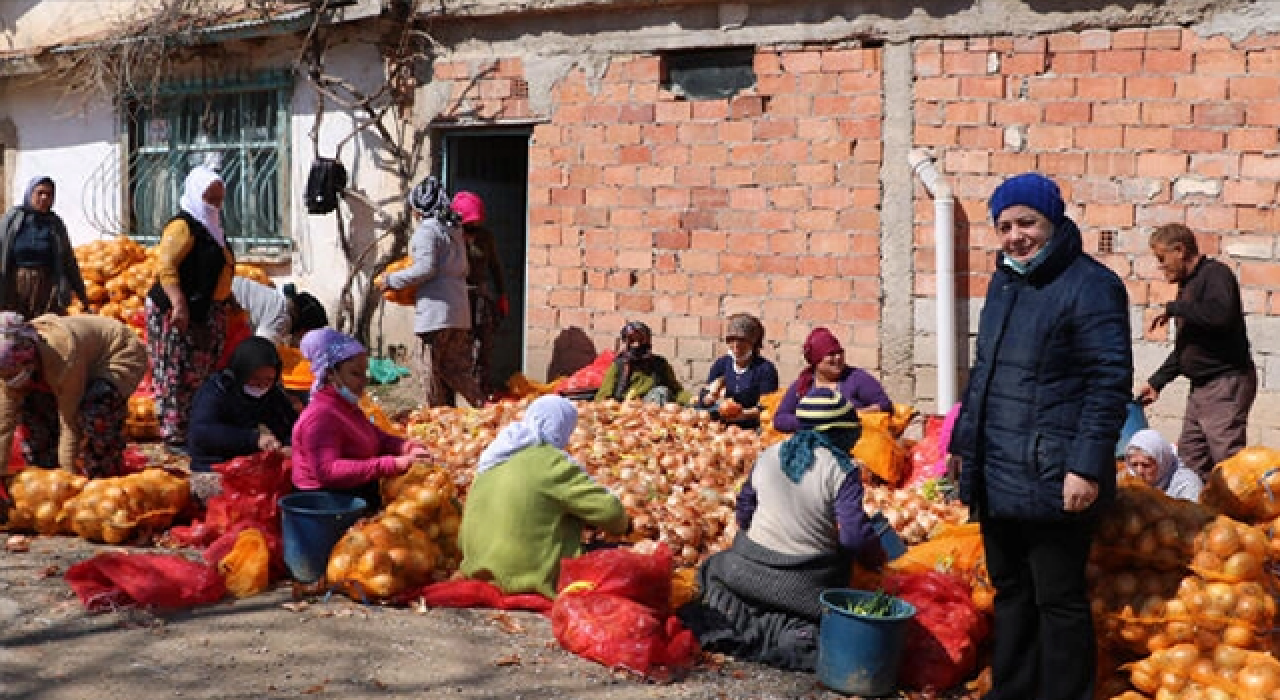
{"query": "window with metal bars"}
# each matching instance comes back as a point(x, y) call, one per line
point(240, 129)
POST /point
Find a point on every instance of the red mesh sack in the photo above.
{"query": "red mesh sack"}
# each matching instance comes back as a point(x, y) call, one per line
point(261, 472)
point(618, 632)
point(116, 579)
point(591, 376)
point(624, 572)
point(946, 633)
point(468, 593)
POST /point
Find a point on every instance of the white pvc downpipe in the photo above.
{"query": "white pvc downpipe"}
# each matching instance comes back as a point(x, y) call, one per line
point(944, 262)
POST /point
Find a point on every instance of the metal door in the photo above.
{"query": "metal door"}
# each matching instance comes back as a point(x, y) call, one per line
point(495, 165)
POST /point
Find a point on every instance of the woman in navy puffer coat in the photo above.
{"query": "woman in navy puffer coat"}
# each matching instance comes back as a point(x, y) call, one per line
point(1036, 437)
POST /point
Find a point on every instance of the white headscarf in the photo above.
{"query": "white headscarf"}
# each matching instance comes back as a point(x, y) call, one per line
point(192, 202)
point(549, 420)
point(1155, 446)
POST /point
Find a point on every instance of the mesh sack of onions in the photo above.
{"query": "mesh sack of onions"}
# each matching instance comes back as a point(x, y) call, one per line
point(1147, 528)
point(1185, 672)
point(1245, 485)
point(38, 496)
point(124, 508)
point(379, 558)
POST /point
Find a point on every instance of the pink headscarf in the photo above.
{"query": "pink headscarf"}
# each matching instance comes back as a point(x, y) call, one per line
point(325, 349)
point(17, 343)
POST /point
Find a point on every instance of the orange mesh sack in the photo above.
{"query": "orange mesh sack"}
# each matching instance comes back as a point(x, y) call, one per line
point(1147, 528)
point(878, 450)
point(403, 297)
point(295, 372)
point(246, 568)
point(954, 549)
point(1246, 486)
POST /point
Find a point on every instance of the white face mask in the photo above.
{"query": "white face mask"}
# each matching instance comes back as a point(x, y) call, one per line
point(255, 392)
point(20, 379)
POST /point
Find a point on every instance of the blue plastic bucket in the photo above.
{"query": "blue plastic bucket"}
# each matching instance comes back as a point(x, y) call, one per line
point(857, 654)
point(311, 523)
point(1134, 420)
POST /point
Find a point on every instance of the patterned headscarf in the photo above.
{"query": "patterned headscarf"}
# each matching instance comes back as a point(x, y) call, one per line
point(430, 199)
point(325, 349)
point(549, 420)
point(827, 420)
point(17, 343)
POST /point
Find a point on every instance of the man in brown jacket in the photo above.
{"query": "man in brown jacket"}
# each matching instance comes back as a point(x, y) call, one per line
point(68, 380)
point(1211, 350)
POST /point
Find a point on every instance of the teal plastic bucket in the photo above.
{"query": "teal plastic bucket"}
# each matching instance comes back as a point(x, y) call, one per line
point(857, 654)
point(311, 523)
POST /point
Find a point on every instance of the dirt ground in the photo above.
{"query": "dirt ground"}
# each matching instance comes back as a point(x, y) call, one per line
point(268, 647)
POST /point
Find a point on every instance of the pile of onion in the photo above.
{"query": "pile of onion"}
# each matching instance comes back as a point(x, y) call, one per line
point(1187, 673)
point(1230, 551)
point(913, 516)
point(676, 471)
point(38, 496)
point(381, 557)
point(1147, 528)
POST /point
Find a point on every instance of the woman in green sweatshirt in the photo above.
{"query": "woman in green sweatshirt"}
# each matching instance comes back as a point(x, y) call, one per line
point(529, 501)
point(637, 373)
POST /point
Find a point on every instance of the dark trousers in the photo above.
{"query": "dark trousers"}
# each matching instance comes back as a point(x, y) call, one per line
point(1043, 643)
point(1214, 426)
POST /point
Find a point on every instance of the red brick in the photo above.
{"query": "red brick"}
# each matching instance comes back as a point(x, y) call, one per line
point(1200, 139)
point(802, 61)
point(968, 112)
point(965, 63)
point(1108, 215)
point(1252, 139)
point(1167, 61)
point(1012, 163)
point(1117, 113)
point(775, 129)
point(1260, 274)
point(815, 220)
point(1265, 114)
point(1129, 39)
point(1249, 192)
point(927, 64)
point(1064, 41)
point(842, 60)
point(693, 175)
point(1024, 63)
point(1169, 38)
point(819, 83)
point(1166, 113)
point(1215, 164)
point(1220, 62)
point(815, 173)
point(697, 132)
point(1071, 63)
point(1062, 163)
point(1128, 62)
point(927, 88)
point(1148, 86)
point(1161, 164)
point(1048, 138)
point(672, 111)
point(856, 83)
point(935, 135)
point(1095, 39)
point(1218, 114)
point(1148, 137)
point(1201, 87)
point(1253, 87)
point(1020, 112)
point(1255, 219)
point(980, 137)
point(1067, 112)
point(1107, 87)
point(1098, 137)
point(1160, 214)
point(1050, 87)
point(1266, 62)
point(985, 86)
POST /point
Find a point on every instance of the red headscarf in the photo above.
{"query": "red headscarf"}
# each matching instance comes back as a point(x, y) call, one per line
point(820, 343)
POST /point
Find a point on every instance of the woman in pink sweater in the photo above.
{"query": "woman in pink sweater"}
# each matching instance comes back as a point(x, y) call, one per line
point(335, 447)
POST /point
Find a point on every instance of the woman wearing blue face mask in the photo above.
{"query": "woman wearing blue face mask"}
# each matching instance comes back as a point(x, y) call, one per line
point(335, 447)
point(231, 407)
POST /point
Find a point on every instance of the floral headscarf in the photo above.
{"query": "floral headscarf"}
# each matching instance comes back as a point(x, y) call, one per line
point(17, 343)
point(325, 349)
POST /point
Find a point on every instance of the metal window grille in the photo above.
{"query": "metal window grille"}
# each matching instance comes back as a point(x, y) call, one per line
point(240, 131)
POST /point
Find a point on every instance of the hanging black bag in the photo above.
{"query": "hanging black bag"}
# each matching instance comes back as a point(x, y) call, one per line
point(327, 179)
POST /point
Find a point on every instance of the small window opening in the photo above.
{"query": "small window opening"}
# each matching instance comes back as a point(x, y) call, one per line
point(1107, 242)
point(709, 74)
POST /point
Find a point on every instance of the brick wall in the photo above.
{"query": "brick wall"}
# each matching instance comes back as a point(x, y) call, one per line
point(1140, 127)
point(644, 205)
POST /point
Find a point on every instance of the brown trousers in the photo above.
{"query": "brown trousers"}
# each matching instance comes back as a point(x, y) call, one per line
point(33, 292)
point(1217, 417)
point(444, 366)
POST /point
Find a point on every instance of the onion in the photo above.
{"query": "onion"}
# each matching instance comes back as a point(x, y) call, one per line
point(1258, 680)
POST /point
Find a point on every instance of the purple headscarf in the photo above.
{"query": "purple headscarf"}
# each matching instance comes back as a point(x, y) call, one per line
point(17, 343)
point(325, 349)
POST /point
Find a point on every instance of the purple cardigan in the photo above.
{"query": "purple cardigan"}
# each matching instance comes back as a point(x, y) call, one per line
point(860, 388)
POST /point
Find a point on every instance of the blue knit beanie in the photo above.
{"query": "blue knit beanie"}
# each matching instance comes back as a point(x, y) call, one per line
point(1033, 190)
